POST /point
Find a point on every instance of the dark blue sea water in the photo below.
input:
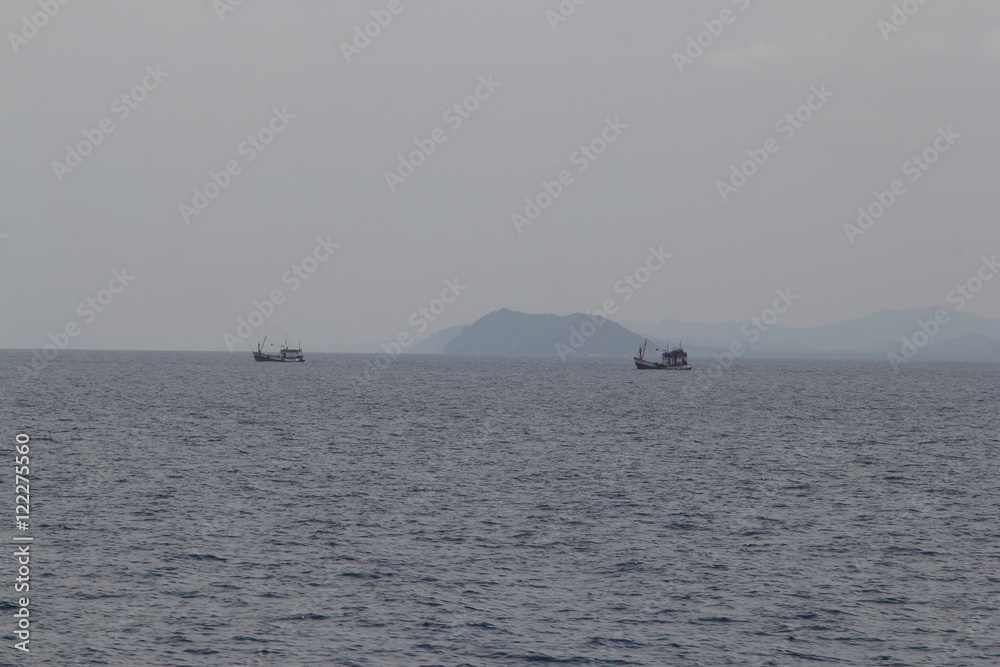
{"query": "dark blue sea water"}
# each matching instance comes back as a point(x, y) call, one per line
point(203, 509)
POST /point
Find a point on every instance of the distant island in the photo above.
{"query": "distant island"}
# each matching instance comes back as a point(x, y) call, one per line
point(508, 332)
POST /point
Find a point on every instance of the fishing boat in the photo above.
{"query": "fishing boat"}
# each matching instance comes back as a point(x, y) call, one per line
point(672, 359)
point(285, 354)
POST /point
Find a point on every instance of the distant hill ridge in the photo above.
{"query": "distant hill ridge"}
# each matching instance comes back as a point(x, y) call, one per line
point(878, 333)
point(508, 332)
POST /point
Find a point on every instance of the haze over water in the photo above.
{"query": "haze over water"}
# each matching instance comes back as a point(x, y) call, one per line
point(201, 509)
point(745, 178)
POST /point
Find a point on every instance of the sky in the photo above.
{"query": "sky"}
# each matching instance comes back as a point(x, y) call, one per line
point(324, 170)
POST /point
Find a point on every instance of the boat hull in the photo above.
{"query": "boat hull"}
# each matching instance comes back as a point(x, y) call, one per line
point(644, 365)
point(260, 356)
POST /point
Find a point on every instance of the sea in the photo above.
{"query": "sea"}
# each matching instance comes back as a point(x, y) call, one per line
point(203, 509)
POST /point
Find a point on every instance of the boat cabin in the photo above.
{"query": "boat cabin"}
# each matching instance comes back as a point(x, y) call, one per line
point(675, 357)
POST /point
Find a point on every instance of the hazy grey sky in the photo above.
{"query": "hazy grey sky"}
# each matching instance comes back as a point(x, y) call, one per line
point(339, 109)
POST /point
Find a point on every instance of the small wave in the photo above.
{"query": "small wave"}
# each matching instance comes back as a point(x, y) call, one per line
point(615, 641)
point(305, 617)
